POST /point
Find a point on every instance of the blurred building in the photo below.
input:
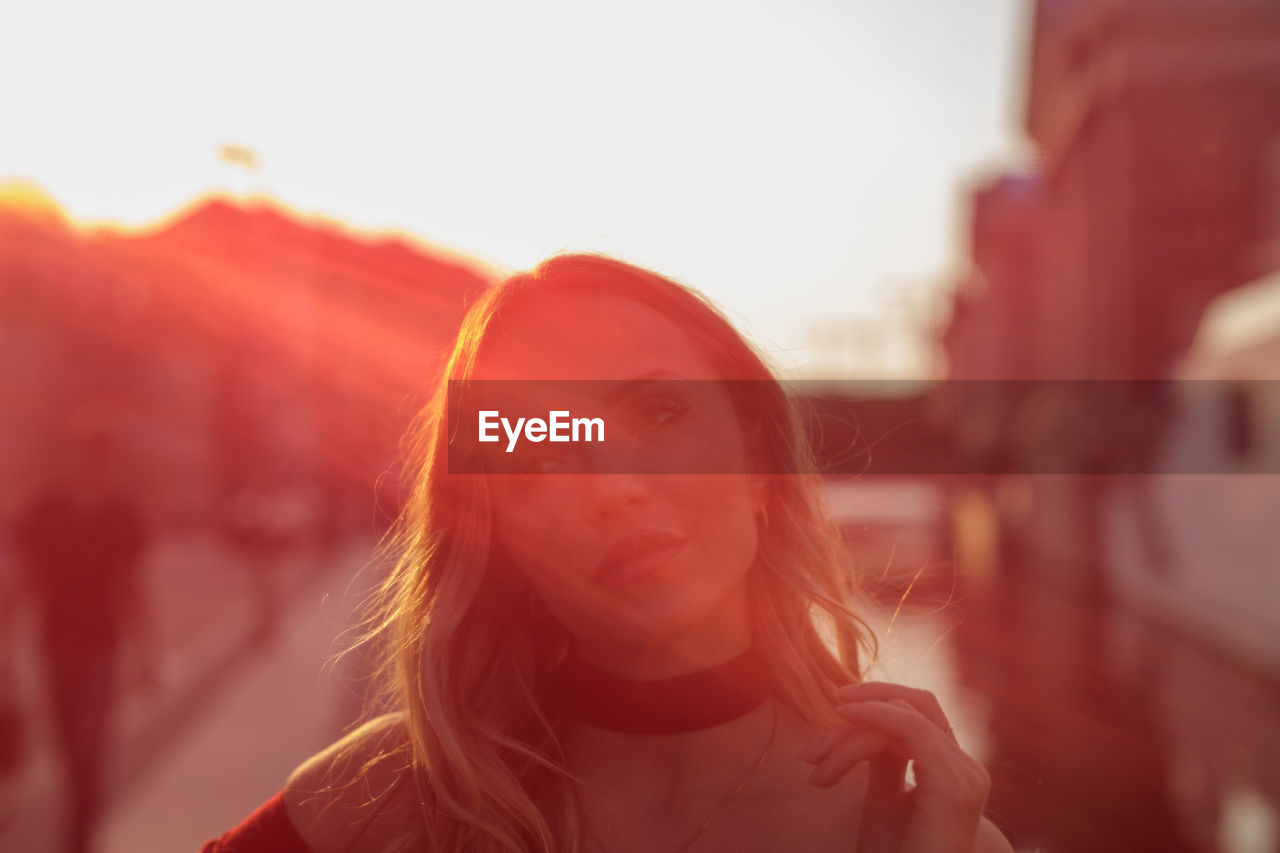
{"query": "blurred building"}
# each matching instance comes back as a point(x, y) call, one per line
point(1125, 250)
point(1154, 194)
point(1157, 142)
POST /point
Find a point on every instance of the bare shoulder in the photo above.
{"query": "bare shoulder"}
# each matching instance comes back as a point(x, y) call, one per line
point(990, 839)
point(356, 794)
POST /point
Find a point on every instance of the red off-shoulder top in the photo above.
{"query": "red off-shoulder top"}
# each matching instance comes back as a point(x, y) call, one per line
point(267, 830)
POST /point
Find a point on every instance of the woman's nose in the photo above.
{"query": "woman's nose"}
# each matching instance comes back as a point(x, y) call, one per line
point(610, 494)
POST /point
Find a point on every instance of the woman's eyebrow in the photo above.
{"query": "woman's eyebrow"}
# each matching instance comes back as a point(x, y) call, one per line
point(628, 387)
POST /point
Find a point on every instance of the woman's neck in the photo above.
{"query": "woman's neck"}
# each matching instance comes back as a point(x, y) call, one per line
point(722, 636)
point(689, 764)
point(696, 700)
point(662, 661)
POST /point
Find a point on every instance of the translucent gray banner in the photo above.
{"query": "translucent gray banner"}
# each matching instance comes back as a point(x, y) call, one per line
point(987, 427)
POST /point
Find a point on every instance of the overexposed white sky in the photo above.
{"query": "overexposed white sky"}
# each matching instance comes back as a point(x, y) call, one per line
point(796, 160)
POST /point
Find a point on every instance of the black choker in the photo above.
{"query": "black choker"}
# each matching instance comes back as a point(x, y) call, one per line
point(685, 703)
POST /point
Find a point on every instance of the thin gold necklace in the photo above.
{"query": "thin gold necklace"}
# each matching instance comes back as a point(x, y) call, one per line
point(715, 812)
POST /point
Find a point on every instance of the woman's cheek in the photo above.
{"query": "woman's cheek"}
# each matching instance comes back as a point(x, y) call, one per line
point(542, 546)
point(725, 502)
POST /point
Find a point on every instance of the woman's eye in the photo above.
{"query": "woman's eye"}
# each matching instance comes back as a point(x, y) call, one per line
point(661, 412)
point(542, 465)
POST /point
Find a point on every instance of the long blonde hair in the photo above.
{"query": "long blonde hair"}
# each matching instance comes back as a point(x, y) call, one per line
point(466, 647)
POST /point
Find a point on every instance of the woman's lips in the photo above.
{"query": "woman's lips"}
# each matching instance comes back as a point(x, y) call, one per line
point(637, 556)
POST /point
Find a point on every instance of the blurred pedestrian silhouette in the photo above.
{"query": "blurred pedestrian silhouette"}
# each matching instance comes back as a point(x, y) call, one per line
point(79, 546)
point(267, 519)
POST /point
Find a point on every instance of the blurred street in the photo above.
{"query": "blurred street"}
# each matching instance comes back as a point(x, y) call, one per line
point(1104, 729)
point(239, 700)
point(1109, 719)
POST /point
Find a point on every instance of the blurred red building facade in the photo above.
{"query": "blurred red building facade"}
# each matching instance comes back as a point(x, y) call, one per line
point(1154, 189)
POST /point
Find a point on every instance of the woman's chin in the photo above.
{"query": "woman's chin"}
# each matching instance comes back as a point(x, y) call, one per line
point(645, 625)
point(634, 632)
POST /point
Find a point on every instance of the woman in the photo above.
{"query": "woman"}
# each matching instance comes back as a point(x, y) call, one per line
point(620, 646)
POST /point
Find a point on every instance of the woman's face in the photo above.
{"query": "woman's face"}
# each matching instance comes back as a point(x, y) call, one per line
point(625, 560)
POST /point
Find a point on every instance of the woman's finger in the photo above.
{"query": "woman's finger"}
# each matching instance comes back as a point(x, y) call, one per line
point(900, 721)
point(922, 700)
point(855, 747)
point(888, 775)
point(888, 770)
point(823, 743)
point(941, 767)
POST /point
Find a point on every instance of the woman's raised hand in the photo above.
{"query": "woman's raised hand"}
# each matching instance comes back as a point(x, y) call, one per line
point(889, 725)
